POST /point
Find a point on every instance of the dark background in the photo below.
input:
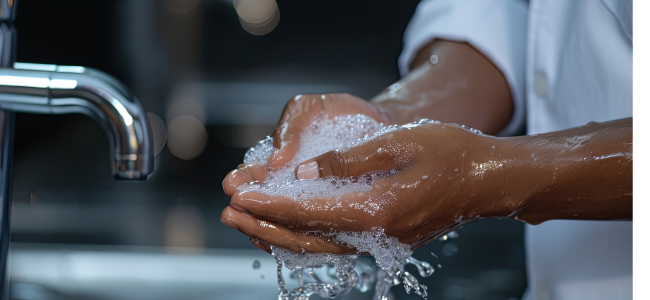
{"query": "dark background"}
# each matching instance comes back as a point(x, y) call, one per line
point(63, 189)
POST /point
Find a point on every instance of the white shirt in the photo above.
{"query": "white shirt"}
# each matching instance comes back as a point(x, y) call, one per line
point(567, 62)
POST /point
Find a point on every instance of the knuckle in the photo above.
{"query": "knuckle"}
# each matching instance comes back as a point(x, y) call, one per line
point(299, 219)
point(339, 163)
point(342, 95)
point(296, 97)
point(301, 103)
point(293, 104)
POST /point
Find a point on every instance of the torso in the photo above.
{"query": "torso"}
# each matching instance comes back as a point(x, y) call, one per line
point(579, 69)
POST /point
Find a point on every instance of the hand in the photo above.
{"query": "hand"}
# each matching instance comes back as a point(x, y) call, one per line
point(446, 176)
point(442, 181)
point(297, 115)
point(300, 112)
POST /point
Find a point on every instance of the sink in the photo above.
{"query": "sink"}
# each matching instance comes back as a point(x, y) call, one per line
point(67, 271)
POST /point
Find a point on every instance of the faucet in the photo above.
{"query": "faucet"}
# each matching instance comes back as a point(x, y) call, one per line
point(52, 89)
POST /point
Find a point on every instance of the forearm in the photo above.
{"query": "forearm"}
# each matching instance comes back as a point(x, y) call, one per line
point(463, 87)
point(583, 173)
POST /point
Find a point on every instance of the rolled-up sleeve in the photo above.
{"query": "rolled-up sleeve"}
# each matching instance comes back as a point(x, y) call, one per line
point(497, 28)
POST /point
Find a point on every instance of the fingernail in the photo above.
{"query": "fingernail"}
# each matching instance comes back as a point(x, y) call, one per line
point(230, 224)
point(308, 170)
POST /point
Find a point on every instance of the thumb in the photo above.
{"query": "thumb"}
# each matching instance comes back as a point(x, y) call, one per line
point(373, 156)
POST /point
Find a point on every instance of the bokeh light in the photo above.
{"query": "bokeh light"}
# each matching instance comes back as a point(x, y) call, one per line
point(258, 17)
point(159, 132)
point(184, 228)
point(186, 101)
point(187, 137)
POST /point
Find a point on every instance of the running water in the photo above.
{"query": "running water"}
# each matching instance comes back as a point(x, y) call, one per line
point(325, 134)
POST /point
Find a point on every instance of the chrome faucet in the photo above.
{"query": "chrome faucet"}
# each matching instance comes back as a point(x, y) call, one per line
point(52, 89)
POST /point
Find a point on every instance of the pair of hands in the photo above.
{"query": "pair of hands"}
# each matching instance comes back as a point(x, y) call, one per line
point(433, 191)
point(447, 176)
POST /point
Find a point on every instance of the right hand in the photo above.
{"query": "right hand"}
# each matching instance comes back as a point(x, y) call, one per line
point(297, 115)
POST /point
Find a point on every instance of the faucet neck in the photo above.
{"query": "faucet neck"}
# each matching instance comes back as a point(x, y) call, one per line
point(52, 89)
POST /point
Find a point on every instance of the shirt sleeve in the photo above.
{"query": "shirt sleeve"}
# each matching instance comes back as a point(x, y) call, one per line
point(497, 28)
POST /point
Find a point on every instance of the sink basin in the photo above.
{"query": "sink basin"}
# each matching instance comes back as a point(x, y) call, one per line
point(61, 271)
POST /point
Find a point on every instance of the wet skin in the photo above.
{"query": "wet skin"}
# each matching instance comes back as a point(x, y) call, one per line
point(446, 176)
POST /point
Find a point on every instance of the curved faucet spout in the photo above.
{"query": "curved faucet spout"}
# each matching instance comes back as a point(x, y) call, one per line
point(52, 89)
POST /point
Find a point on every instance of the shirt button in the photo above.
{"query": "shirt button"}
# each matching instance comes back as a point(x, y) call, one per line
point(540, 84)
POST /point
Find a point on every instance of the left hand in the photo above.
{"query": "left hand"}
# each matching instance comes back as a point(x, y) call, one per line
point(437, 188)
point(298, 114)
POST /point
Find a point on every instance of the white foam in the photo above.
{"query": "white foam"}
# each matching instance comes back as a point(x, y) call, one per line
point(325, 134)
point(388, 251)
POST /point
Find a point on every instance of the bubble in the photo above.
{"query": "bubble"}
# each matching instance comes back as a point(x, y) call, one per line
point(388, 251)
point(322, 135)
point(186, 137)
point(256, 264)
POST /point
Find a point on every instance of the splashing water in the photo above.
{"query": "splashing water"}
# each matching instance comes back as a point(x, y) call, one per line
point(325, 134)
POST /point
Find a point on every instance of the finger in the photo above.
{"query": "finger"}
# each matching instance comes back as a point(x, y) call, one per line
point(379, 155)
point(280, 236)
point(290, 143)
point(339, 104)
point(245, 173)
point(258, 172)
point(297, 115)
point(234, 179)
point(350, 212)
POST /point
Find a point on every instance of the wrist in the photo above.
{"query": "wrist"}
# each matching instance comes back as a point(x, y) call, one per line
point(582, 173)
point(387, 113)
point(501, 175)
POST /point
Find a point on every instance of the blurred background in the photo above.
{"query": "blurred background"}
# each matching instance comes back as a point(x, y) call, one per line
point(215, 80)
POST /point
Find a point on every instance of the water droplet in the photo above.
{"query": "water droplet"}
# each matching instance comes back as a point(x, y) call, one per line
point(449, 249)
point(424, 267)
point(327, 134)
point(256, 264)
point(433, 59)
